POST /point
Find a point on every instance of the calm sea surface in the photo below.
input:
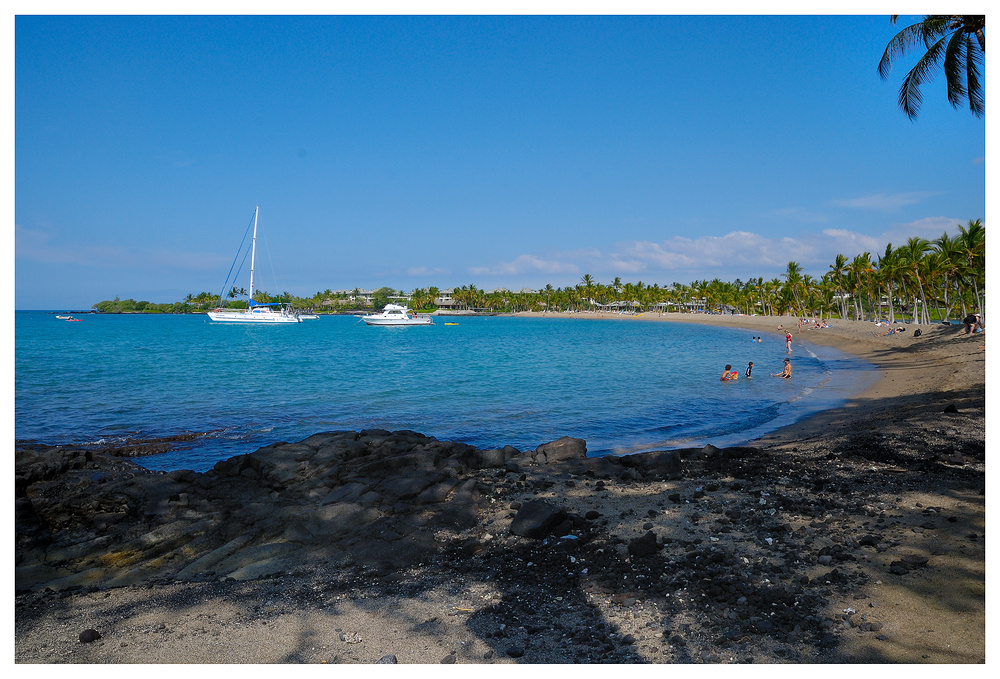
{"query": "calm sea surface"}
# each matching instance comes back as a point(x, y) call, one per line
point(622, 385)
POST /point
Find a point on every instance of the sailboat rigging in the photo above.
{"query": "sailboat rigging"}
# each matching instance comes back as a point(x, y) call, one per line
point(255, 312)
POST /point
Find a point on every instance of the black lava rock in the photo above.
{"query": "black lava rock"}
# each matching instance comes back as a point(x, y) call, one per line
point(89, 635)
point(536, 519)
point(643, 546)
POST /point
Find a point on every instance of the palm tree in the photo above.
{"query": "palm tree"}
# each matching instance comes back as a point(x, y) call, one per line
point(859, 279)
point(888, 270)
point(943, 36)
point(418, 298)
point(837, 270)
point(973, 246)
point(793, 279)
point(950, 264)
point(616, 286)
point(913, 253)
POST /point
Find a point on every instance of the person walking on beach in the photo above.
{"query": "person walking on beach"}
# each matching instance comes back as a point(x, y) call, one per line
point(749, 370)
point(786, 371)
point(729, 374)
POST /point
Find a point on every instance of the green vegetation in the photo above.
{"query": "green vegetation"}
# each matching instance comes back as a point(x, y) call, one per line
point(130, 306)
point(920, 281)
point(947, 39)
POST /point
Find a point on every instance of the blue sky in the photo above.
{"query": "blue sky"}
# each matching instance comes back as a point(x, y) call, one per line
point(503, 151)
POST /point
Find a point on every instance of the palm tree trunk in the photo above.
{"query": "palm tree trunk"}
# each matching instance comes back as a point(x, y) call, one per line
point(979, 302)
point(923, 299)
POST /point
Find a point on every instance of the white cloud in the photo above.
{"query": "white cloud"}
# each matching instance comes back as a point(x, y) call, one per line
point(525, 264)
point(929, 228)
point(850, 241)
point(885, 202)
point(715, 252)
point(735, 254)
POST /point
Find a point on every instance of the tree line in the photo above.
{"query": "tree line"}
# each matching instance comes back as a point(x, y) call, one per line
point(920, 281)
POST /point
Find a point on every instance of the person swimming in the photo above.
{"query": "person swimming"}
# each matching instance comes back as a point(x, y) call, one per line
point(786, 372)
point(729, 374)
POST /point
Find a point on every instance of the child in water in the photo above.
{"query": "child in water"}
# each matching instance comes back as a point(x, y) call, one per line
point(729, 374)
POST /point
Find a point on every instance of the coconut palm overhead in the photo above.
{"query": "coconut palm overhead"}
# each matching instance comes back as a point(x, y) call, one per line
point(959, 41)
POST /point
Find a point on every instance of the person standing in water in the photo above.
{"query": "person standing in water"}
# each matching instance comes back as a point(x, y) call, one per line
point(788, 342)
point(749, 370)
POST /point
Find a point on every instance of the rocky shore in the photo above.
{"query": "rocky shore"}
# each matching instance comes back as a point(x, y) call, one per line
point(857, 538)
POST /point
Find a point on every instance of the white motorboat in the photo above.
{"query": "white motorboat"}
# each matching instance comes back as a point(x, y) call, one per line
point(309, 317)
point(393, 314)
point(255, 311)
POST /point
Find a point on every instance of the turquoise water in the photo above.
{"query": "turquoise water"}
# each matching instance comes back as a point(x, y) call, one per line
point(623, 386)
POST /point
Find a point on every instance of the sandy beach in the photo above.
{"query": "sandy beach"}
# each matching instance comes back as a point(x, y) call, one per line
point(888, 491)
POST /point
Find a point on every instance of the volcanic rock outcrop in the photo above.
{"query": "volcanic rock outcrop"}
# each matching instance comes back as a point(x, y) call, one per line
point(374, 498)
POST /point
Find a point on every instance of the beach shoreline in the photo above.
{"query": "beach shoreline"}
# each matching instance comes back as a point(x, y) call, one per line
point(959, 358)
point(888, 490)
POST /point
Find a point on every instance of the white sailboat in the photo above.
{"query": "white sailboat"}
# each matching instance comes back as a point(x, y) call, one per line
point(255, 312)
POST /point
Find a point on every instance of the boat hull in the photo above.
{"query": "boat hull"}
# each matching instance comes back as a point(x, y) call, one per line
point(398, 321)
point(258, 318)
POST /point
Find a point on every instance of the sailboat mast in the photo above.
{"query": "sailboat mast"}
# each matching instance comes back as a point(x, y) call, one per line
point(253, 252)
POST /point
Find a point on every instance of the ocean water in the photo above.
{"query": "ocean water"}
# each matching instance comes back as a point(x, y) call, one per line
point(622, 385)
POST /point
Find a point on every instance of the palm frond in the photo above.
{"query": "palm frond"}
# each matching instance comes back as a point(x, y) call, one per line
point(934, 26)
point(910, 97)
point(981, 37)
point(954, 68)
point(901, 43)
point(974, 58)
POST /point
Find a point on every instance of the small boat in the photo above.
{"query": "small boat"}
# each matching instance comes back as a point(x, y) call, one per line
point(65, 318)
point(393, 314)
point(309, 317)
point(452, 323)
point(78, 320)
point(255, 312)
